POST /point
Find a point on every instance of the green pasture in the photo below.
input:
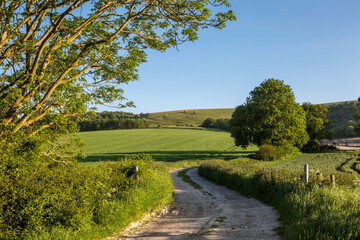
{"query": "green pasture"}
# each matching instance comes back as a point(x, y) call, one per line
point(168, 145)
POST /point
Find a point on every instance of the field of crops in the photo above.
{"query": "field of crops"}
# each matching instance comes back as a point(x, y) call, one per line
point(167, 145)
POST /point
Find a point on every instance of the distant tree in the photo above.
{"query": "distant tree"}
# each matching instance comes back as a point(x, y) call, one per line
point(316, 119)
point(208, 123)
point(270, 115)
point(221, 123)
point(357, 117)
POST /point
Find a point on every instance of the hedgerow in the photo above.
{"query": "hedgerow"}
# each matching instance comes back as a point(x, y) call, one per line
point(54, 200)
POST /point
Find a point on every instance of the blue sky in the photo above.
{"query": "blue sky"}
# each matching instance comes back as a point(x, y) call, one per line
point(313, 45)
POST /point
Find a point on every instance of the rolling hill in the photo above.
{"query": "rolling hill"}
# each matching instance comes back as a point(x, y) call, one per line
point(341, 115)
point(193, 117)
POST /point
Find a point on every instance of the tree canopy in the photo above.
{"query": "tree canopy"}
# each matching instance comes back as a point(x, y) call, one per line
point(357, 117)
point(59, 57)
point(270, 115)
point(316, 119)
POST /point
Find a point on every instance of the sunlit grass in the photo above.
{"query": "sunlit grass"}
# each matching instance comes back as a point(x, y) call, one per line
point(318, 162)
point(167, 145)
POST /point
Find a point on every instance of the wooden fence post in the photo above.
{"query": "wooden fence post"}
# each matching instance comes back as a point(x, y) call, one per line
point(306, 173)
point(137, 172)
point(332, 179)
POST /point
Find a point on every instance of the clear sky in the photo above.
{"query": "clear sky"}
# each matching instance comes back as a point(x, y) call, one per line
point(313, 45)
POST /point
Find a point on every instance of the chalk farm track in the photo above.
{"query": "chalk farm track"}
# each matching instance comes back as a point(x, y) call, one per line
point(214, 212)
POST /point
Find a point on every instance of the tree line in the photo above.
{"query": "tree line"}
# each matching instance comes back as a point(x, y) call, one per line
point(112, 121)
point(221, 123)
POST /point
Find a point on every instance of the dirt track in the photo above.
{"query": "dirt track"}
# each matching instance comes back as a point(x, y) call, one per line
point(214, 212)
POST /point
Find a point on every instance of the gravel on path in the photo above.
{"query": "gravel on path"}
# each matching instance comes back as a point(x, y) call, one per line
point(215, 212)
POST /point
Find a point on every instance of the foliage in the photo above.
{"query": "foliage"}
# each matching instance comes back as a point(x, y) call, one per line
point(270, 153)
point(93, 121)
point(313, 212)
point(221, 123)
point(59, 57)
point(315, 121)
point(270, 115)
point(340, 113)
point(112, 124)
point(208, 123)
point(357, 117)
point(52, 201)
point(347, 130)
point(113, 115)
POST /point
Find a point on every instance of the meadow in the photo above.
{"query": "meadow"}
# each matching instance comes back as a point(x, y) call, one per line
point(166, 145)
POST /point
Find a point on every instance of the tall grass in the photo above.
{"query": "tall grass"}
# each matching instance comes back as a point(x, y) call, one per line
point(315, 211)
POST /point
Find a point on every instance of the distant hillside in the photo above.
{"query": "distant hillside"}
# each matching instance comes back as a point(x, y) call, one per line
point(341, 115)
point(193, 117)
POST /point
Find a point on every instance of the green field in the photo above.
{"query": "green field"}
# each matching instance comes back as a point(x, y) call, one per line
point(167, 145)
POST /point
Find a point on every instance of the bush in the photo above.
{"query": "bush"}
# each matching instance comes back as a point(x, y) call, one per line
point(269, 152)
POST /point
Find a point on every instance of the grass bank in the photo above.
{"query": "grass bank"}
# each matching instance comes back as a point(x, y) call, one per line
point(315, 211)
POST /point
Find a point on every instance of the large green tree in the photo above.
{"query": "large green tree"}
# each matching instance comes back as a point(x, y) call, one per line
point(270, 115)
point(58, 57)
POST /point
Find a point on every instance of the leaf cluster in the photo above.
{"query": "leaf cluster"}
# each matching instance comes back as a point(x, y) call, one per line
point(270, 115)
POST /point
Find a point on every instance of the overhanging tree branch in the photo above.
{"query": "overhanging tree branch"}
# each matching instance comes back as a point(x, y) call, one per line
point(51, 52)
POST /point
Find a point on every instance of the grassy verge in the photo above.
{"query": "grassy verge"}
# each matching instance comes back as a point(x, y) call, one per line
point(182, 174)
point(315, 211)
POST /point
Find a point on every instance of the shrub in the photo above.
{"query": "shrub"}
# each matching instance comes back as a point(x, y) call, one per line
point(269, 152)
